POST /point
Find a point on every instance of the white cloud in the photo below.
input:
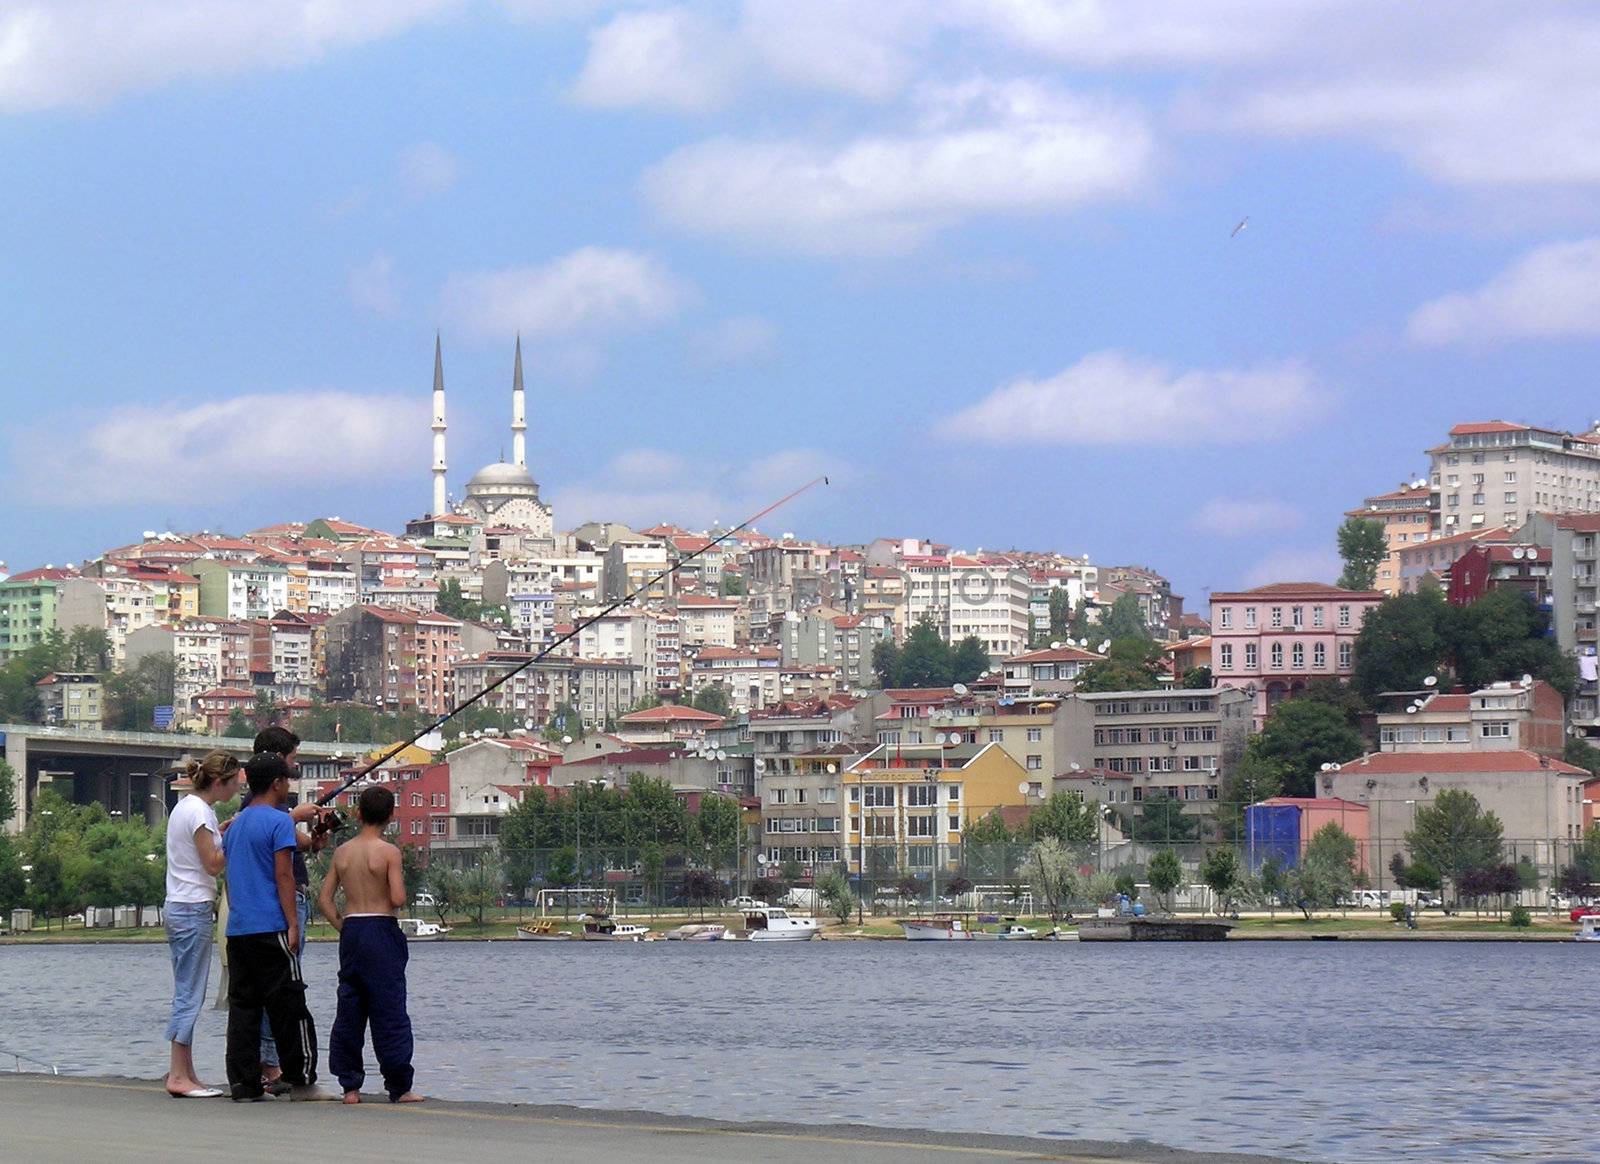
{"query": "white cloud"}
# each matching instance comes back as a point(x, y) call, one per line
point(374, 286)
point(660, 59)
point(1552, 292)
point(1112, 398)
point(642, 487)
point(590, 289)
point(736, 340)
point(1296, 565)
point(228, 449)
point(66, 53)
point(427, 169)
point(1238, 518)
point(980, 148)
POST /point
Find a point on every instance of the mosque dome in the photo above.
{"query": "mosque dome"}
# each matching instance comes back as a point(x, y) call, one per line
point(500, 475)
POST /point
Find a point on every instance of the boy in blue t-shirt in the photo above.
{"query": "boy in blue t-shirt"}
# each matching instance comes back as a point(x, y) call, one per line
point(263, 935)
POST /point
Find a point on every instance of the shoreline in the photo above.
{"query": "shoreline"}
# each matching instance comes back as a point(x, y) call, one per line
point(131, 1119)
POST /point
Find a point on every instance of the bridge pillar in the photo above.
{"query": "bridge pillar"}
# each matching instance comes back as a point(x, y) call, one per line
point(16, 753)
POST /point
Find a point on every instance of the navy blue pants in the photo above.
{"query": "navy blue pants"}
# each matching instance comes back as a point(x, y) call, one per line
point(372, 988)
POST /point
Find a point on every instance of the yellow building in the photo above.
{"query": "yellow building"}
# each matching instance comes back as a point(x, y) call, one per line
point(916, 801)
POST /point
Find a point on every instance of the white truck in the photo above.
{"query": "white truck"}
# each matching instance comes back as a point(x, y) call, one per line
point(800, 898)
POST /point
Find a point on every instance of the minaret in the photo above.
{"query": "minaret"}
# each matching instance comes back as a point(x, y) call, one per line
point(440, 500)
point(519, 424)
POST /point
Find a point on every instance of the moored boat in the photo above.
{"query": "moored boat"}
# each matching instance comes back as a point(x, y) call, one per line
point(936, 929)
point(696, 932)
point(1588, 929)
point(774, 925)
point(543, 931)
point(417, 930)
point(603, 929)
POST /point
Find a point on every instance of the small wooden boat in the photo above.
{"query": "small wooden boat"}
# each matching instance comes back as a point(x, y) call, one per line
point(544, 931)
point(603, 929)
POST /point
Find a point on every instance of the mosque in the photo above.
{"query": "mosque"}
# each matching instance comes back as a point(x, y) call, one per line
point(502, 494)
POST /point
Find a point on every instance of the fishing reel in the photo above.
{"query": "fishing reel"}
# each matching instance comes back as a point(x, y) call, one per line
point(328, 823)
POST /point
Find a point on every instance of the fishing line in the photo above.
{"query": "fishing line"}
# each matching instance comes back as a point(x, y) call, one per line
point(579, 628)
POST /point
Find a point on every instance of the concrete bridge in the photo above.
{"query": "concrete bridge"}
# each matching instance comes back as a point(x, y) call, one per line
point(130, 772)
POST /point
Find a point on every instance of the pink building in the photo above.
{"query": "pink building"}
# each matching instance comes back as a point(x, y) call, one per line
point(1275, 639)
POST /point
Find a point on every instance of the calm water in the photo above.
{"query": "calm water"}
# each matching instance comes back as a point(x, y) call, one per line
point(1328, 1052)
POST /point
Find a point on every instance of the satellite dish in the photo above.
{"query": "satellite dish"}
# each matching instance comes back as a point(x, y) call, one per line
point(832, 768)
point(760, 764)
point(1412, 710)
point(566, 739)
point(1056, 646)
point(1527, 680)
point(1431, 681)
point(1076, 767)
point(1103, 646)
point(1023, 788)
point(959, 689)
point(721, 755)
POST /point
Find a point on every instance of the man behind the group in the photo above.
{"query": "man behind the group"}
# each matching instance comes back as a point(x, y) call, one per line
point(263, 935)
point(372, 955)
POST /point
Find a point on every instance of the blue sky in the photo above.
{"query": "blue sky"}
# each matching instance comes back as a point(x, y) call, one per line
point(971, 259)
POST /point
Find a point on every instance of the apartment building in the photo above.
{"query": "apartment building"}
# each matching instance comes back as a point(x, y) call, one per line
point(118, 605)
point(397, 660)
point(28, 608)
point(990, 598)
point(1407, 515)
point(1049, 671)
point(705, 620)
point(1573, 541)
point(258, 588)
point(1274, 640)
point(637, 566)
point(1501, 717)
point(1495, 473)
point(1178, 743)
point(1484, 568)
point(70, 699)
point(844, 642)
point(1434, 559)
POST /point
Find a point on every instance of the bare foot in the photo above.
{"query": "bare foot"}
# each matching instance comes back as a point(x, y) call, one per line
point(179, 1086)
point(408, 1097)
point(352, 1097)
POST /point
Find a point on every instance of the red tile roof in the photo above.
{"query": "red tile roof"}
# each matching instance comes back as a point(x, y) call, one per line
point(669, 712)
point(1424, 763)
point(1472, 428)
point(1308, 590)
point(1056, 655)
point(1578, 522)
point(44, 574)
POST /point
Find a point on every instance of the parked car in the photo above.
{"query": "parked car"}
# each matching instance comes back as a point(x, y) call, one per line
point(426, 898)
point(743, 902)
point(1584, 911)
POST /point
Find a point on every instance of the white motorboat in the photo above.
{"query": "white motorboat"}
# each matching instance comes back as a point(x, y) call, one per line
point(936, 929)
point(774, 925)
point(697, 932)
point(1588, 929)
point(417, 930)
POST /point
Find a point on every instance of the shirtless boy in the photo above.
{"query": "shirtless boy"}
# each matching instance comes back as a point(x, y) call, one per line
point(372, 955)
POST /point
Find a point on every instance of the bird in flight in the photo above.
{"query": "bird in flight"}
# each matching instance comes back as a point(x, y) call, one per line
point(1242, 223)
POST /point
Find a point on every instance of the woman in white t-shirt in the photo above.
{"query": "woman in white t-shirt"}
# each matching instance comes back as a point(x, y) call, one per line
point(194, 860)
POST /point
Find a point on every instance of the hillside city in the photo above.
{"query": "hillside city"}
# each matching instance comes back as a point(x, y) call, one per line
point(903, 695)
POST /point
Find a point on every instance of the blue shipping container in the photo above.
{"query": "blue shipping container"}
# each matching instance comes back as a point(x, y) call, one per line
point(1272, 830)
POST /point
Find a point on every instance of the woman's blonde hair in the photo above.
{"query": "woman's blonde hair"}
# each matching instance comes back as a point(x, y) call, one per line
point(218, 765)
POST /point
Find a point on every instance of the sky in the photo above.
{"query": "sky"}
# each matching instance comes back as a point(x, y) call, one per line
point(975, 260)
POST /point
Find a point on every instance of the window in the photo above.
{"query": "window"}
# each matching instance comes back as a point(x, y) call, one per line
point(827, 796)
point(1511, 476)
point(436, 826)
point(880, 796)
point(1252, 657)
point(1297, 617)
point(1192, 764)
point(1344, 616)
point(996, 735)
point(1345, 655)
point(955, 824)
point(1297, 656)
point(921, 795)
point(1035, 763)
point(416, 800)
point(1225, 618)
point(855, 795)
point(1249, 617)
point(1496, 729)
point(1035, 735)
point(1225, 657)
point(952, 793)
point(880, 826)
point(1277, 616)
point(1277, 656)
point(919, 826)
point(778, 796)
point(1319, 655)
point(1455, 735)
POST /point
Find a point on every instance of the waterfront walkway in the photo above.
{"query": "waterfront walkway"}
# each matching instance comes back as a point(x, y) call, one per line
point(72, 1120)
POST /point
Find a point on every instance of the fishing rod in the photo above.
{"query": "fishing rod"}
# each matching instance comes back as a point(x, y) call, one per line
point(579, 628)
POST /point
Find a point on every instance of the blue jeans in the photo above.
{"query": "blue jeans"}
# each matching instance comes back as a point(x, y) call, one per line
point(189, 925)
point(269, 1045)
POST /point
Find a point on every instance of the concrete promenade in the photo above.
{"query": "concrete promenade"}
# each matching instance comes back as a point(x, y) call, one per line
point(74, 1120)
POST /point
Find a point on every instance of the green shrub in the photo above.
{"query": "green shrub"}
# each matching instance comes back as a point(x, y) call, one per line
point(1397, 910)
point(1520, 917)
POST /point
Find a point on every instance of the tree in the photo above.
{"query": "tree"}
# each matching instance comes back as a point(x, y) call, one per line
point(1163, 819)
point(1197, 678)
point(925, 658)
point(8, 793)
point(1124, 620)
point(1253, 779)
point(886, 662)
point(1455, 836)
point(1126, 885)
point(1166, 874)
point(13, 881)
point(1274, 884)
point(1052, 869)
point(1220, 871)
point(1068, 819)
point(132, 696)
point(1302, 735)
point(767, 889)
point(1502, 635)
point(715, 830)
point(1575, 751)
point(1060, 613)
point(1327, 868)
point(1363, 545)
point(834, 889)
point(1130, 665)
point(969, 660)
point(701, 888)
point(732, 584)
point(238, 727)
point(1400, 644)
point(986, 847)
point(713, 697)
